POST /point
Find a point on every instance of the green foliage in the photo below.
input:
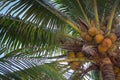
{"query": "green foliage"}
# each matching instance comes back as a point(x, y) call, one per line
point(25, 34)
point(34, 72)
point(32, 29)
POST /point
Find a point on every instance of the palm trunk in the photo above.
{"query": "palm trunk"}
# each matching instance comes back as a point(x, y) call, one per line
point(107, 69)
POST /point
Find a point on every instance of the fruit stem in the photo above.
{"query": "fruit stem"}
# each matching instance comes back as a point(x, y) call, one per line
point(83, 12)
point(96, 15)
point(109, 26)
point(73, 26)
point(76, 59)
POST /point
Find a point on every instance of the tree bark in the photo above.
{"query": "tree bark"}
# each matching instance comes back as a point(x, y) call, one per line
point(107, 69)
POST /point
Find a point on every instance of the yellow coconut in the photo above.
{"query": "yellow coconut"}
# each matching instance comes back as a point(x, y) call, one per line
point(92, 31)
point(71, 55)
point(102, 49)
point(107, 42)
point(99, 38)
point(83, 35)
point(113, 37)
point(79, 55)
point(88, 38)
point(74, 65)
point(116, 70)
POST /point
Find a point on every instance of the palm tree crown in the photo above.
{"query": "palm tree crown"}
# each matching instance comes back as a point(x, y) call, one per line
point(59, 39)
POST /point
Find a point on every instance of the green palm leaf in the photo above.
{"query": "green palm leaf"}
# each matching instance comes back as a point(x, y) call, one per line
point(20, 69)
point(33, 30)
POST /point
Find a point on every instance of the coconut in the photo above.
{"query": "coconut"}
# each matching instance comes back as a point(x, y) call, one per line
point(88, 38)
point(92, 31)
point(102, 49)
point(83, 35)
point(116, 70)
point(71, 55)
point(99, 38)
point(74, 65)
point(107, 42)
point(79, 55)
point(113, 37)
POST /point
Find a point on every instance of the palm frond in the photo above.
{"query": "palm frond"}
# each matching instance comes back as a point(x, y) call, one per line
point(95, 75)
point(33, 21)
point(71, 7)
point(32, 33)
point(28, 69)
point(25, 34)
point(27, 21)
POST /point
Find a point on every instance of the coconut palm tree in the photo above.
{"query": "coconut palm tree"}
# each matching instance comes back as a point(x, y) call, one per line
point(59, 40)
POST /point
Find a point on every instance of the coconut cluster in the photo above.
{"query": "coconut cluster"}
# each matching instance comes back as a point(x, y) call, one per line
point(100, 42)
point(98, 38)
point(74, 55)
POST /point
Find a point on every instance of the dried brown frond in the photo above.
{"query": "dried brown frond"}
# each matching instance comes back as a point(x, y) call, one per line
point(89, 50)
point(72, 46)
point(83, 25)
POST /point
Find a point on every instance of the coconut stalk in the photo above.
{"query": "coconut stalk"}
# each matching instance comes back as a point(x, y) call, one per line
point(109, 26)
point(96, 15)
point(75, 59)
